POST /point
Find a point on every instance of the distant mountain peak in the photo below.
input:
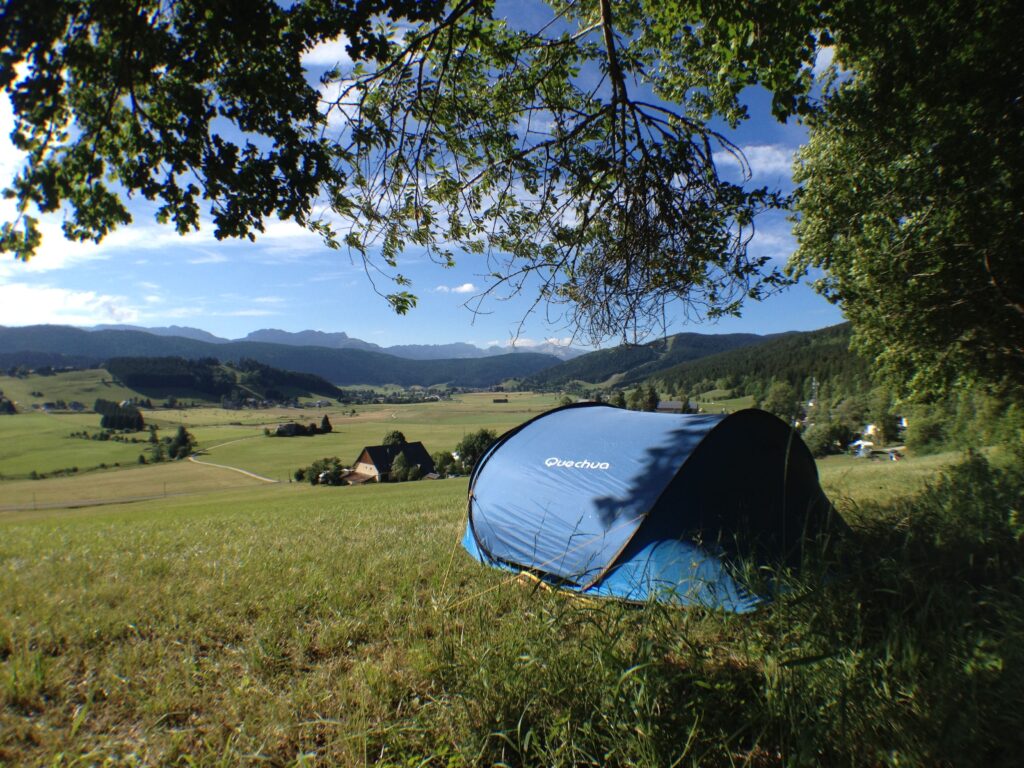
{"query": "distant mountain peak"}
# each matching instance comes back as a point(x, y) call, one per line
point(310, 338)
point(182, 331)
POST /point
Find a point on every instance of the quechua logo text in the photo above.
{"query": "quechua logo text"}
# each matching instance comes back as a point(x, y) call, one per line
point(556, 463)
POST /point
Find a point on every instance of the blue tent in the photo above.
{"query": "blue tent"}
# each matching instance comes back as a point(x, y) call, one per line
point(616, 503)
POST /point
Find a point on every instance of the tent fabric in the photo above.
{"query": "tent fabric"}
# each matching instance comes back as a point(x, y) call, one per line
point(633, 505)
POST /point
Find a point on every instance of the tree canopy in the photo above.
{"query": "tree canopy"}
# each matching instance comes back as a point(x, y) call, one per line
point(394, 437)
point(912, 192)
point(576, 158)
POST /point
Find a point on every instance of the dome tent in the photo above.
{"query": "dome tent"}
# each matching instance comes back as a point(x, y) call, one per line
point(632, 505)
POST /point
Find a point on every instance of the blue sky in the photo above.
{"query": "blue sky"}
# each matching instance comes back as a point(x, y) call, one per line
point(145, 274)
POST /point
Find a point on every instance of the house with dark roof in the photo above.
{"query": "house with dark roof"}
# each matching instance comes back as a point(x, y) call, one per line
point(374, 463)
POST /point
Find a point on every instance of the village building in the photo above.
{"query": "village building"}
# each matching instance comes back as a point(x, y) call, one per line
point(374, 463)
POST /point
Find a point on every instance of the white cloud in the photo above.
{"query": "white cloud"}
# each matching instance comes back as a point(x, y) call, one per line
point(523, 341)
point(329, 53)
point(773, 240)
point(23, 304)
point(464, 288)
point(338, 104)
point(763, 159)
point(823, 59)
point(153, 299)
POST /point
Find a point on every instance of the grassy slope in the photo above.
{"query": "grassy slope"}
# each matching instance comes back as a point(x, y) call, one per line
point(84, 386)
point(314, 626)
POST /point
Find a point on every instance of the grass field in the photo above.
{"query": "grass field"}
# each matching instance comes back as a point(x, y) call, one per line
point(709, 403)
point(40, 442)
point(84, 386)
point(218, 620)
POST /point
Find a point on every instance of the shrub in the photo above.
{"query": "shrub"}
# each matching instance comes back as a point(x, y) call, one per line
point(926, 431)
point(825, 438)
point(473, 446)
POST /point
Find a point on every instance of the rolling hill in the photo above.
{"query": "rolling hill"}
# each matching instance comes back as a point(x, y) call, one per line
point(339, 366)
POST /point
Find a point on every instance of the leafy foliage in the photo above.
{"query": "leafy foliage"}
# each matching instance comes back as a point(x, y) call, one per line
point(473, 446)
point(394, 437)
point(911, 191)
point(481, 134)
point(114, 98)
point(463, 129)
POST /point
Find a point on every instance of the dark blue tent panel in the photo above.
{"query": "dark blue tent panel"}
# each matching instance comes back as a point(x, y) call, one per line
point(633, 505)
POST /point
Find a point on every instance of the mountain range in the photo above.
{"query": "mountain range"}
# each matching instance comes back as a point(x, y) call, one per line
point(341, 340)
point(682, 358)
point(57, 345)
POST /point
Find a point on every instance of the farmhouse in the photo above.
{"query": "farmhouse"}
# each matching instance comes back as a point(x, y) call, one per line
point(375, 461)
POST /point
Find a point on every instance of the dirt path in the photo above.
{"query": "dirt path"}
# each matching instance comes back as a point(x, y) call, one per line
point(240, 471)
point(245, 472)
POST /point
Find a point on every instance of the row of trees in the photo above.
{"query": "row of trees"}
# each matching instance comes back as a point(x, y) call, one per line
point(180, 446)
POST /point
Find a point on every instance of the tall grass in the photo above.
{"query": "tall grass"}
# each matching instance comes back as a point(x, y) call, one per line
point(302, 626)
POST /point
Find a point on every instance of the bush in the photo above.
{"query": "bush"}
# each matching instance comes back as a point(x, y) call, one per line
point(825, 438)
point(325, 471)
point(472, 447)
point(926, 432)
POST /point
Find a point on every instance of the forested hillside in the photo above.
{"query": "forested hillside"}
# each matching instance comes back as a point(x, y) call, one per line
point(179, 377)
point(796, 358)
point(632, 363)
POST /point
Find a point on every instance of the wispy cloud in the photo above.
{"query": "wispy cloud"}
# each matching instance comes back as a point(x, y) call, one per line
point(464, 288)
point(763, 160)
point(773, 238)
point(209, 258)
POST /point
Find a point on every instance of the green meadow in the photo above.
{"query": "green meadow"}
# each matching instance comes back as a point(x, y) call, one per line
point(189, 615)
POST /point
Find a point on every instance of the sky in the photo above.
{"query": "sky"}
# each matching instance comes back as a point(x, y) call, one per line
point(145, 274)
